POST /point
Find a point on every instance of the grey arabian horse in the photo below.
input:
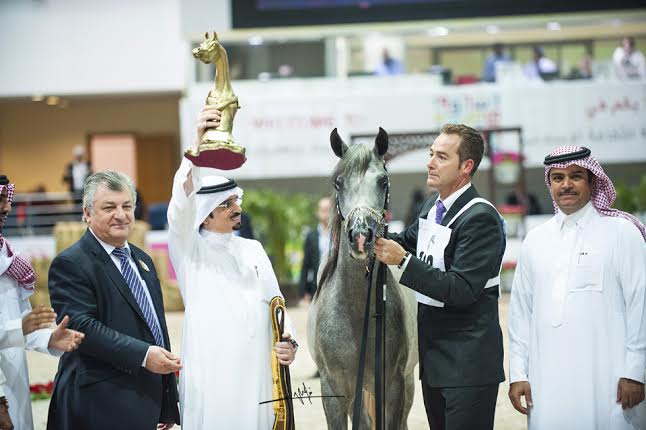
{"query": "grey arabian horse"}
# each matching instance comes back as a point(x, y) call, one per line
point(336, 314)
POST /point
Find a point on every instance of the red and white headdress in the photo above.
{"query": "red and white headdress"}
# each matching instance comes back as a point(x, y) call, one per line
point(603, 191)
point(20, 267)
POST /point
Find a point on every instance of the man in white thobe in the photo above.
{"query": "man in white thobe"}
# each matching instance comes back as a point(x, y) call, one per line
point(20, 327)
point(577, 323)
point(5, 419)
point(227, 283)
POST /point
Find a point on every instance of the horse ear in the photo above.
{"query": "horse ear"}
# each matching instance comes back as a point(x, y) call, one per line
point(206, 35)
point(338, 145)
point(381, 142)
point(215, 36)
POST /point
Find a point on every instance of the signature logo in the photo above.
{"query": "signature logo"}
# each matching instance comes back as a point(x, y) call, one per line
point(300, 395)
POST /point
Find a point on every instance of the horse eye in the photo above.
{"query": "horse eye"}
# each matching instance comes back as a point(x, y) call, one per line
point(337, 184)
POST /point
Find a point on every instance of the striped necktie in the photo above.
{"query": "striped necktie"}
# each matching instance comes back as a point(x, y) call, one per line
point(138, 291)
point(439, 211)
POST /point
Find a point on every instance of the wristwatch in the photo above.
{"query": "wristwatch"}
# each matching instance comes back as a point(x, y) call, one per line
point(401, 263)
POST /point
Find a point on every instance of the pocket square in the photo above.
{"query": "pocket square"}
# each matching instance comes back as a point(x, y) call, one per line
point(144, 266)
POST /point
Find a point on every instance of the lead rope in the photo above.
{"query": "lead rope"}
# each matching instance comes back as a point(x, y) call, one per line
point(370, 266)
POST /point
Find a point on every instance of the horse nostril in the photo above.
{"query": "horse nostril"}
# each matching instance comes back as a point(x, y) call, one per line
point(350, 235)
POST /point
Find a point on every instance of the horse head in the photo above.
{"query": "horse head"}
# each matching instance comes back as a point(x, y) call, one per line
point(210, 50)
point(361, 192)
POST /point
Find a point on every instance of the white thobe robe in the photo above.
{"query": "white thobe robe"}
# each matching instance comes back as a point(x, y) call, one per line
point(227, 283)
point(13, 359)
point(577, 321)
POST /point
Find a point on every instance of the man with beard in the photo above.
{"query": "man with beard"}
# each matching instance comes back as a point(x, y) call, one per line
point(576, 315)
point(21, 327)
point(227, 283)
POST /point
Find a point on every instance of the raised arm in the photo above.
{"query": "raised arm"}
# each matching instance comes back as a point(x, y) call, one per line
point(181, 209)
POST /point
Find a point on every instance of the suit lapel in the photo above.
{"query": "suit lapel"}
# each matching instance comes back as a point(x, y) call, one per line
point(427, 207)
point(113, 273)
point(465, 198)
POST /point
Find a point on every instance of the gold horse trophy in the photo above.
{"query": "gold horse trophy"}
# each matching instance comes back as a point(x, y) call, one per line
point(217, 148)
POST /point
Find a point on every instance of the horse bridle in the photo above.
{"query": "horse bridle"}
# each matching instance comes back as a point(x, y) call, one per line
point(380, 217)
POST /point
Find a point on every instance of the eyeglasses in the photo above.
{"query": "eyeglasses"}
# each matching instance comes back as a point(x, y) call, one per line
point(228, 203)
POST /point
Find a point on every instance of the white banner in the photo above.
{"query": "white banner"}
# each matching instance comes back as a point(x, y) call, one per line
point(285, 125)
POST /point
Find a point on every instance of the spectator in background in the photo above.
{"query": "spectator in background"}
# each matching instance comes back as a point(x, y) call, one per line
point(140, 206)
point(246, 230)
point(317, 244)
point(77, 171)
point(583, 70)
point(540, 67)
point(497, 56)
point(629, 63)
point(416, 203)
point(389, 65)
point(285, 71)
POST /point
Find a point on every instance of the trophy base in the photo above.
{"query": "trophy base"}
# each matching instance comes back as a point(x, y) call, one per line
point(217, 156)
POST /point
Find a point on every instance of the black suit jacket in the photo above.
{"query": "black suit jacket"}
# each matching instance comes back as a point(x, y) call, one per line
point(102, 384)
point(246, 230)
point(311, 260)
point(460, 344)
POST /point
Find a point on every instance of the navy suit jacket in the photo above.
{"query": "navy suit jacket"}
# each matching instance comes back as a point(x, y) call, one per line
point(102, 384)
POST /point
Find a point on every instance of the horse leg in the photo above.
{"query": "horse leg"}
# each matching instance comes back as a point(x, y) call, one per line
point(400, 394)
point(409, 381)
point(336, 408)
point(368, 418)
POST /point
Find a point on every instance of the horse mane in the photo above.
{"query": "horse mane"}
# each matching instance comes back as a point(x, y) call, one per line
point(355, 161)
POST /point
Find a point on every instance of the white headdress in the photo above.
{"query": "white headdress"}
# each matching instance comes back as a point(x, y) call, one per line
point(214, 191)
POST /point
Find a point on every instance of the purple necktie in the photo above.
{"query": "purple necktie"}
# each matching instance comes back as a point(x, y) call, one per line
point(439, 211)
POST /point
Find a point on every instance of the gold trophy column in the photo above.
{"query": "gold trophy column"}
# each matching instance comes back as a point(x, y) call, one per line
point(217, 148)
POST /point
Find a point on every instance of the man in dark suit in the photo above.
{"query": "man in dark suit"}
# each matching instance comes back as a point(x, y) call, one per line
point(123, 375)
point(317, 243)
point(246, 229)
point(451, 256)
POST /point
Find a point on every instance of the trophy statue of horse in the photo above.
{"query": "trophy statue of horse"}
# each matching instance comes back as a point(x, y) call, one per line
point(217, 148)
point(336, 315)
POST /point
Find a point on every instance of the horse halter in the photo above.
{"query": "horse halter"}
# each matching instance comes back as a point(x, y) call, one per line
point(379, 217)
